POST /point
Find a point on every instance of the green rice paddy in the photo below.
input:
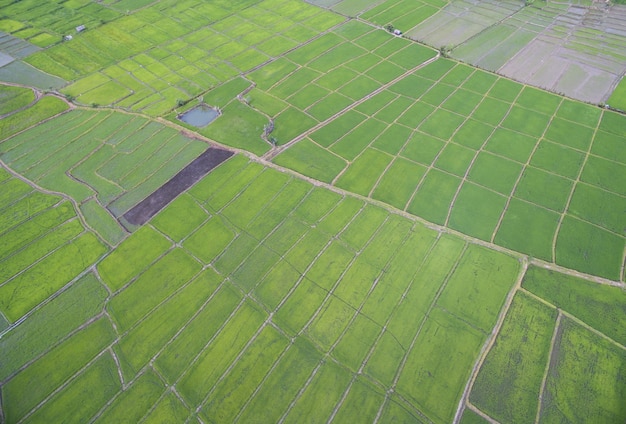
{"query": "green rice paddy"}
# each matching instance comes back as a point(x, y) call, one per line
point(400, 237)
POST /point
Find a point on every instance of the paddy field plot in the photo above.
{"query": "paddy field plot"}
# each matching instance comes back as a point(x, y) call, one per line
point(106, 161)
point(14, 98)
point(304, 286)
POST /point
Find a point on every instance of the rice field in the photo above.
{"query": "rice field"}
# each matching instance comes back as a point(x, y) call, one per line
point(105, 161)
point(499, 161)
point(398, 236)
point(558, 347)
point(232, 270)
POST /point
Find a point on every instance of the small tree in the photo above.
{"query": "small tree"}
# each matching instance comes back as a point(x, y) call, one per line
point(445, 51)
point(389, 28)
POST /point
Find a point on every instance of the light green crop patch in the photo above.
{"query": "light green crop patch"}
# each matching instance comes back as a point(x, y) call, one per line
point(322, 393)
point(132, 257)
point(586, 300)
point(151, 288)
point(283, 383)
point(85, 395)
point(46, 107)
point(206, 370)
point(51, 323)
point(28, 388)
point(508, 384)
point(28, 289)
point(135, 401)
point(362, 403)
point(362, 174)
point(445, 348)
point(14, 98)
point(588, 248)
point(574, 393)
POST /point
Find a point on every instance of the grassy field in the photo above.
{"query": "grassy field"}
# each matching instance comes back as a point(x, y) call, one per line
point(401, 237)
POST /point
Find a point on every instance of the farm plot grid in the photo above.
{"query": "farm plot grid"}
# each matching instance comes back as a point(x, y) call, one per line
point(106, 161)
point(44, 246)
point(304, 304)
point(494, 159)
point(170, 52)
point(322, 301)
point(260, 295)
point(45, 23)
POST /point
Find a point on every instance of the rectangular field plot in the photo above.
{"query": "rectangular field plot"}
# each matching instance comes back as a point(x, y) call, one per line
point(574, 393)
point(476, 211)
point(361, 176)
point(308, 158)
point(489, 288)
point(590, 249)
point(434, 196)
point(599, 306)
point(389, 191)
point(445, 348)
point(507, 389)
point(528, 229)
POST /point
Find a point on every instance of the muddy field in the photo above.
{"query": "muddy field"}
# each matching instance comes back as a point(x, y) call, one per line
point(569, 49)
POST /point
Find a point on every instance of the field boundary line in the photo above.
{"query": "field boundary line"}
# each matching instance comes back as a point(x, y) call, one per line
point(574, 318)
point(490, 340)
point(477, 411)
point(558, 329)
point(439, 228)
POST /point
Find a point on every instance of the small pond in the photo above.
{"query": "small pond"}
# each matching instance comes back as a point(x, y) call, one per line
point(200, 116)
